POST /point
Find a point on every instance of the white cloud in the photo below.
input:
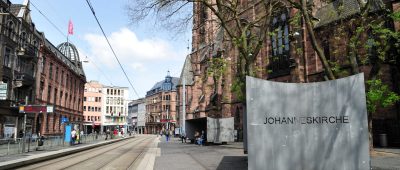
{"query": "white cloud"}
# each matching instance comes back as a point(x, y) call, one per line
point(145, 61)
point(138, 66)
point(129, 49)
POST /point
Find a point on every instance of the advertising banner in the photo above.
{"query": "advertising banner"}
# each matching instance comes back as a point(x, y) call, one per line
point(296, 126)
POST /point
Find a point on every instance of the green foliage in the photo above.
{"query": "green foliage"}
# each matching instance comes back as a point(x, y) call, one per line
point(217, 67)
point(379, 95)
point(238, 88)
point(395, 16)
point(337, 69)
point(295, 21)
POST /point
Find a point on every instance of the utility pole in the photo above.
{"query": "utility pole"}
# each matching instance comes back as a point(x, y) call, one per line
point(167, 119)
point(24, 127)
point(184, 104)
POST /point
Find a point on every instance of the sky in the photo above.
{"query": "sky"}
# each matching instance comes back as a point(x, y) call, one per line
point(145, 51)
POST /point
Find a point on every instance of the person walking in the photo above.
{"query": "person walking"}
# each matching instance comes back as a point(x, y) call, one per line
point(73, 137)
point(167, 135)
point(107, 133)
point(183, 137)
point(115, 133)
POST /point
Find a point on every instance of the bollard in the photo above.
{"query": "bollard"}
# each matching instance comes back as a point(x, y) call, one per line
point(29, 143)
point(8, 147)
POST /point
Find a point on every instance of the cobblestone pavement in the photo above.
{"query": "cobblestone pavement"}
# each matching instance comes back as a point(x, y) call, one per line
point(385, 159)
point(177, 155)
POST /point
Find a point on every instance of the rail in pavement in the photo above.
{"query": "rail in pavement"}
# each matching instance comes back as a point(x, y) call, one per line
point(53, 154)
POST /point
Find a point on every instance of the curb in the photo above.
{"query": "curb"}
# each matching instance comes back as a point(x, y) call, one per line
point(53, 154)
point(396, 153)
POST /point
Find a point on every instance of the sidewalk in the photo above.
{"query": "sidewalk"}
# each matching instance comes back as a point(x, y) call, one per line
point(177, 155)
point(385, 159)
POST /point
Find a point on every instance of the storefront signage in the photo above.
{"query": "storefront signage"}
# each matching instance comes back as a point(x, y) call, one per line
point(32, 109)
point(307, 126)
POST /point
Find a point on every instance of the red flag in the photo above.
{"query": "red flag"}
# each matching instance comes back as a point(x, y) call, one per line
point(70, 28)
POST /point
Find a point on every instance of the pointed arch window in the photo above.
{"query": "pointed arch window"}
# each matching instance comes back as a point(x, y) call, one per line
point(279, 60)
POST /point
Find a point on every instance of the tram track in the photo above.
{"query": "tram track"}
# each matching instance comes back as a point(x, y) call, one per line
point(81, 159)
point(141, 148)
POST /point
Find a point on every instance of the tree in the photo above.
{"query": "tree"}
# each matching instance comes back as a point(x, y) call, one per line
point(373, 43)
point(245, 32)
point(248, 34)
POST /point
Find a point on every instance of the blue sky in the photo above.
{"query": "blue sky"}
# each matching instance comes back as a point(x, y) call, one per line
point(145, 51)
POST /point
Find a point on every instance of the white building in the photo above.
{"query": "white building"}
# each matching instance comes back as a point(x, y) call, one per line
point(137, 115)
point(115, 108)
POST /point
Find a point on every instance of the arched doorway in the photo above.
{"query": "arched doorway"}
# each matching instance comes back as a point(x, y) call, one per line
point(39, 123)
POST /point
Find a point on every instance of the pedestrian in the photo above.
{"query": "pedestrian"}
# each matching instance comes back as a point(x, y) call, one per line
point(21, 134)
point(107, 133)
point(115, 132)
point(80, 136)
point(196, 137)
point(167, 135)
point(183, 137)
point(202, 137)
point(73, 137)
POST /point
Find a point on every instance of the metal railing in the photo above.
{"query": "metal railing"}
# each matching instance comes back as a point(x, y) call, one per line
point(15, 146)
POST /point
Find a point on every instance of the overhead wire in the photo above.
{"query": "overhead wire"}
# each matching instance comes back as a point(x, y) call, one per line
point(63, 34)
point(112, 49)
point(101, 71)
point(58, 29)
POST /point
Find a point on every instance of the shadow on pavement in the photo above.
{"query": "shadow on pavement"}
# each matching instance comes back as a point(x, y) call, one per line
point(233, 162)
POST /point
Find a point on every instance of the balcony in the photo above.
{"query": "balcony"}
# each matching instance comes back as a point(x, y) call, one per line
point(28, 51)
point(24, 79)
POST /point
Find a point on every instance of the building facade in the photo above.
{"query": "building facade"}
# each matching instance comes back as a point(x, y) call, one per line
point(19, 50)
point(114, 108)
point(161, 106)
point(136, 116)
point(60, 84)
point(92, 107)
point(286, 56)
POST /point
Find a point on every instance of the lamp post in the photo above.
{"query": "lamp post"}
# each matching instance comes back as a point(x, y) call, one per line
point(24, 128)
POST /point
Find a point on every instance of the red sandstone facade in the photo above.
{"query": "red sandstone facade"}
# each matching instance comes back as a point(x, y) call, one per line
point(298, 66)
point(60, 83)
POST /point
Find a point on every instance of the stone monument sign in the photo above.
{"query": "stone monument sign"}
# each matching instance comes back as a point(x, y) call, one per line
point(292, 126)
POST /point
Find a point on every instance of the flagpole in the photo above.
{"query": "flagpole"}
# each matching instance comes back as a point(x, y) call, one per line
point(69, 32)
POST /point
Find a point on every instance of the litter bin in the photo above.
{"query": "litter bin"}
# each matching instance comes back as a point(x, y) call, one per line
point(383, 140)
point(41, 141)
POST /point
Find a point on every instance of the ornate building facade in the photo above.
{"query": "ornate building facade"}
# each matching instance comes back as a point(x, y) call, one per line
point(60, 83)
point(19, 50)
point(161, 106)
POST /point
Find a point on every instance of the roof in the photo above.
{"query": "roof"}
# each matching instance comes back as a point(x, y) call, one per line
point(187, 72)
point(15, 8)
point(137, 102)
point(341, 9)
point(336, 10)
point(69, 50)
point(75, 66)
point(168, 84)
